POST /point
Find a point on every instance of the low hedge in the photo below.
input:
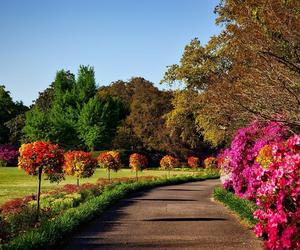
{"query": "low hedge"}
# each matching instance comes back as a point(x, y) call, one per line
point(51, 233)
point(243, 208)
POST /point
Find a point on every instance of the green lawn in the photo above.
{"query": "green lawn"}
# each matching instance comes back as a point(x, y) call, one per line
point(15, 183)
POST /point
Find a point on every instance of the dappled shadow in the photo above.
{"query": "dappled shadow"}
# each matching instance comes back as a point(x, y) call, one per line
point(176, 219)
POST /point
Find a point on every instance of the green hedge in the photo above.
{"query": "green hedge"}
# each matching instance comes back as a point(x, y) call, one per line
point(243, 208)
point(51, 233)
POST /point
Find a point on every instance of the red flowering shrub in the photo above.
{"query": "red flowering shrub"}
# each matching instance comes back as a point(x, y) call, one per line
point(210, 162)
point(42, 155)
point(138, 162)
point(279, 195)
point(168, 162)
point(193, 162)
point(80, 164)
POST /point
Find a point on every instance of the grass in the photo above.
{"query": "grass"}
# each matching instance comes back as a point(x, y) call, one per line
point(243, 208)
point(15, 183)
point(52, 233)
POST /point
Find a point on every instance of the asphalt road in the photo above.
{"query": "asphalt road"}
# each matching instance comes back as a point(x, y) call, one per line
point(171, 217)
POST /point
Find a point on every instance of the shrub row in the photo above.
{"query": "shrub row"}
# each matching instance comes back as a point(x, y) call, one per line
point(51, 233)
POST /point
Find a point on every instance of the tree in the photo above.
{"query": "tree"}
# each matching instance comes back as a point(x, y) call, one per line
point(8, 111)
point(138, 162)
point(42, 157)
point(250, 69)
point(79, 164)
point(98, 121)
point(70, 114)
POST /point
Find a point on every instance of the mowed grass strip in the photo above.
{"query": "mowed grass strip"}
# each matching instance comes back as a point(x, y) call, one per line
point(16, 183)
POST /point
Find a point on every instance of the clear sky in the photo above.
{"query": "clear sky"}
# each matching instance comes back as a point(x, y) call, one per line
point(120, 38)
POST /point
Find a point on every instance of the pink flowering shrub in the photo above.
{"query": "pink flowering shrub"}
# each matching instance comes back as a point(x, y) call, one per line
point(238, 166)
point(9, 154)
point(279, 195)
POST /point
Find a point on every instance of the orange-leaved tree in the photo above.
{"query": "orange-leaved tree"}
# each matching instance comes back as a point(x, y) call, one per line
point(168, 162)
point(42, 157)
point(111, 160)
point(193, 162)
point(79, 164)
point(211, 162)
point(138, 162)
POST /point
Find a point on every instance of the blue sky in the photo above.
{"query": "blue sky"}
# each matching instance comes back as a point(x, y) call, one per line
point(120, 38)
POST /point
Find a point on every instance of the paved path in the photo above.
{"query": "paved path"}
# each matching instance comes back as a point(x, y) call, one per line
point(171, 217)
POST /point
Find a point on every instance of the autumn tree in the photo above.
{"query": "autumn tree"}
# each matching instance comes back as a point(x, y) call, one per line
point(250, 69)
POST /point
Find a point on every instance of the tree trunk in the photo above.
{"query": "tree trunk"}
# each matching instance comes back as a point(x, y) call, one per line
point(39, 194)
point(77, 182)
point(136, 175)
point(108, 175)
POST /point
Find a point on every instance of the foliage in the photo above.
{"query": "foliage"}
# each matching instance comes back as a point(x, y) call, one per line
point(244, 208)
point(42, 155)
point(8, 111)
point(138, 162)
point(144, 129)
point(210, 162)
point(278, 195)
point(168, 162)
point(250, 69)
point(69, 113)
point(99, 119)
point(80, 164)
point(9, 154)
point(111, 160)
point(193, 162)
point(239, 160)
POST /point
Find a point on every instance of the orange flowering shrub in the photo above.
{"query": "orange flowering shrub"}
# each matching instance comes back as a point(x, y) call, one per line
point(168, 162)
point(138, 162)
point(42, 156)
point(80, 164)
point(211, 162)
point(111, 160)
point(193, 162)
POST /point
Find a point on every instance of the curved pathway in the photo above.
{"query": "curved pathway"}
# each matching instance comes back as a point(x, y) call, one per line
point(170, 217)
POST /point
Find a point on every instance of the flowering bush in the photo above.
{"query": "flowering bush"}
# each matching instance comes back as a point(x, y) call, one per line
point(279, 195)
point(42, 156)
point(210, 162)
point(238, 163)
point(193, 162)
point(9, 154)
point(110, 160)
point(168, 162)
point(80, 164)
point(138, 162)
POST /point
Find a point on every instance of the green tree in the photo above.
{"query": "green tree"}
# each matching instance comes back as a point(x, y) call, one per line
point(98, 121)
point(8, 110)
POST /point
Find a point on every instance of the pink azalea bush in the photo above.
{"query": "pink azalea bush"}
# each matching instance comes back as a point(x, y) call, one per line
point(9, 154)
point(262, 166)
point(279, 196)
point(238, 162)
